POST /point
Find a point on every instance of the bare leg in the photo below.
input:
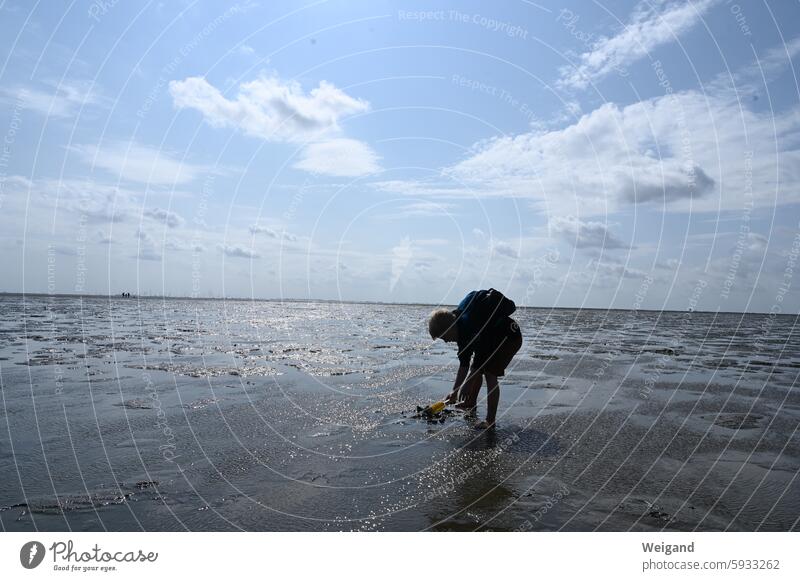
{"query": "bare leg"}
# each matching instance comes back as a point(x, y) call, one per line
point(492, 399)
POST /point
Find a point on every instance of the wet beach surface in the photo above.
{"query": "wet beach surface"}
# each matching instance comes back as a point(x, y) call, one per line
point(153, 414)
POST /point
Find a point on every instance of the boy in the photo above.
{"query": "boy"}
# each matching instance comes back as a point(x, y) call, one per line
point(481, 326)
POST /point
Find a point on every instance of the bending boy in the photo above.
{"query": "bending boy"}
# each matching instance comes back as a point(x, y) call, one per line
point(487, 339)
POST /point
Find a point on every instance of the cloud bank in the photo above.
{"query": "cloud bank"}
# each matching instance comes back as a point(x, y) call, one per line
point(653, 23)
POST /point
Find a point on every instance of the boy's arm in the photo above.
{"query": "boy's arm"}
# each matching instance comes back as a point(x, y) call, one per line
point(461, 375)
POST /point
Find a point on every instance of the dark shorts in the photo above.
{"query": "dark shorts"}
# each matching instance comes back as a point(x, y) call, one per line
point(495, 355)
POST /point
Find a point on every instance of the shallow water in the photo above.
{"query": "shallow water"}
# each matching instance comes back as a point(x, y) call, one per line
point(127, 414)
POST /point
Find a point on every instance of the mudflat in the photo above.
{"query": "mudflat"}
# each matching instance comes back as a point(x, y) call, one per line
point(169, 414)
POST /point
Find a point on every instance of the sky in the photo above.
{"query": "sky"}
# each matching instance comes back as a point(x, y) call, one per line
point(627, 154)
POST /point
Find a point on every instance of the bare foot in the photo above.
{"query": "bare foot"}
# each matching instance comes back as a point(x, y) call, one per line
point(484, 425)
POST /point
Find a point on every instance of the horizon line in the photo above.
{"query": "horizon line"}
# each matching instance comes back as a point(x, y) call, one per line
point(366, 302)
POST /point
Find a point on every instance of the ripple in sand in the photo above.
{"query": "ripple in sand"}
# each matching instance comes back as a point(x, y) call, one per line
point(136, 404)
point(81, 502)
point(208, 371)
point(201, 403)
point(737, 421)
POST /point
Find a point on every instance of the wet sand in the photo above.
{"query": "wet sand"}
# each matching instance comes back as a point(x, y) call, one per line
point(129, 414)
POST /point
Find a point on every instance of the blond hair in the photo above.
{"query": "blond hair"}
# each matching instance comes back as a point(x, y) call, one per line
point(440, 321)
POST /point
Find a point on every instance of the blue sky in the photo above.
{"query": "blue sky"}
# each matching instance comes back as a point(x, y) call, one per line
point(623, 155)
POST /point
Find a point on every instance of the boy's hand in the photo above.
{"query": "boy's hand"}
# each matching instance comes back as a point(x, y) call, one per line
point(451, 398)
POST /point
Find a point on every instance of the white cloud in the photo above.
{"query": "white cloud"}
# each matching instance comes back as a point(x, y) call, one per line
point(609, 158)
point(147, 248)
point(756, 243)
point(168, 217)
point(255, 229)
point(420, 188)
point(605, 274)
point(148, 254)
point(744, 265)
point(96, 201)
point(17, 182)
point(65, 250)
point(340, 157)
point(103, 237)
point(62, 99)
point(138, 163)
point(504, 249)
point(269, 108)
point(750, 79)
point(183, 245)
point(585, 234)
point(652, 24)
point(238, 251)
point(276, 110)
point(424, 208)
point(669, 264)
point(99, 208)
point(686, 151)
point(259, 229)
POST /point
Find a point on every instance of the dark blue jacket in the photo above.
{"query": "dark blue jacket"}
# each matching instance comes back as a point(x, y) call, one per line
point(482, 320)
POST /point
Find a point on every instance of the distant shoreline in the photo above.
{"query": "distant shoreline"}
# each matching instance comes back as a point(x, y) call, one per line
point(353, 302)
